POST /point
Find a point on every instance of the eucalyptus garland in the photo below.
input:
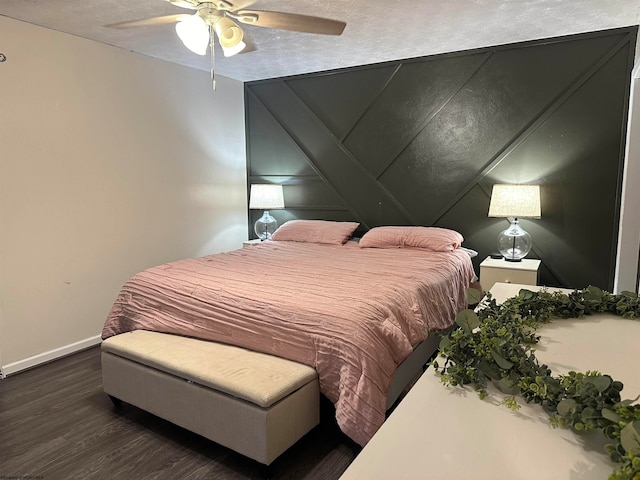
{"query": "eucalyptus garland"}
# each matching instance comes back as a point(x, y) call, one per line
point(494, 344)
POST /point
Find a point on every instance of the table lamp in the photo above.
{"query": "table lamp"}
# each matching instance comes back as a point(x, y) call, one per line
point(266, 196)
point(515, 201)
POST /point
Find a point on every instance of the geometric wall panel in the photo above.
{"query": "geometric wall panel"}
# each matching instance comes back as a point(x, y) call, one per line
point(422, 141)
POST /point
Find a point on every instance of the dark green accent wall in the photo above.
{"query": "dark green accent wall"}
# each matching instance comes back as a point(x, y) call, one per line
point(422, 141)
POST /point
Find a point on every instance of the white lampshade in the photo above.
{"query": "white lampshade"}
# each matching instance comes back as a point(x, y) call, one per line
point(266, 197)
point(194, 33)
point(518, 201)
point(515, 201)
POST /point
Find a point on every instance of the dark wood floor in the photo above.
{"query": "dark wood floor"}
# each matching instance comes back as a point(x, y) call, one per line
point(56, 423)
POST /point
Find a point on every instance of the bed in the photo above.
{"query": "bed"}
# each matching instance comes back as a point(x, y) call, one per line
point(353, 310)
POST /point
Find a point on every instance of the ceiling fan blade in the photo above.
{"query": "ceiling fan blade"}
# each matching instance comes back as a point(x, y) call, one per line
point(289, 21)
point(150, 21)
point(191, 4)
point(236, 5)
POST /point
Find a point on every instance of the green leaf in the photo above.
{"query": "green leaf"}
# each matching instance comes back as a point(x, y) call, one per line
point(501, 361)
point(526, 294)
point(511, 403)
point(593, 294)
point(611, 431)
point(566, 406)
point(508, 386)
point(626, 403)
point(468, 320)
point(630, 438)
point(611, 415)
point(489, 369)
point(472, 296)
point(445, 343)
point(601, 382)
point(589, 412)
point(615, 457)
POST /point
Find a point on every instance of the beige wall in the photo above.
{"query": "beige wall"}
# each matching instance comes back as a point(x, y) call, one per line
point(110, 162)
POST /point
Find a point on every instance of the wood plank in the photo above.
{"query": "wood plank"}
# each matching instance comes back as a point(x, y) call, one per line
point(57, 423)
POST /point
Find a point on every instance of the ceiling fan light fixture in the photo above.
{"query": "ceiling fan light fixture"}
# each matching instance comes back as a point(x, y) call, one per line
point(231, 51)
point(194, 33)
point(229, 35)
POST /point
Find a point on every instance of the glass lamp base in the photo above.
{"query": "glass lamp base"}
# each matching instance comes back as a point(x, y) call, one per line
point(265, 226)
point(514, 243)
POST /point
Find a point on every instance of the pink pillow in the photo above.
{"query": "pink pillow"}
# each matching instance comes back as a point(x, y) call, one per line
point(315, 231)
point(432, 238)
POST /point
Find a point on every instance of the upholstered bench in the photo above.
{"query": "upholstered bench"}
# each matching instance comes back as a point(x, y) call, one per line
point(256, 404)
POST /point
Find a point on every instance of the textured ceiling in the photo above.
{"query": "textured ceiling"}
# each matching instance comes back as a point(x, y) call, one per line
point(376, 31)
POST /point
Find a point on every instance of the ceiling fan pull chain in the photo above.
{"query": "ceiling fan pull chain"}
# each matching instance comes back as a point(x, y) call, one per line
point(213, 57)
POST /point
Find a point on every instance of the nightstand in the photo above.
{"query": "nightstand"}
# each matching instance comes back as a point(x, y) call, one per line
point(494, 270)
point(248, 243)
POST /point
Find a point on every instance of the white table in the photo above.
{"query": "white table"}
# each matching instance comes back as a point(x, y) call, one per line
point(440, 432)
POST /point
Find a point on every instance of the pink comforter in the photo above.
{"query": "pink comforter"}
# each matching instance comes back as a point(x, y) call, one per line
point(352, 313)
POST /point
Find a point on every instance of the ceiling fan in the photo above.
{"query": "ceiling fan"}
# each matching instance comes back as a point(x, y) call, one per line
point(216, 18)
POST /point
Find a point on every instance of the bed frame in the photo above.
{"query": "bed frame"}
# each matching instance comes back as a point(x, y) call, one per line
point(411, 368)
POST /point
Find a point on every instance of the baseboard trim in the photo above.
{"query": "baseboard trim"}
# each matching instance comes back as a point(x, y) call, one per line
point(49, 356)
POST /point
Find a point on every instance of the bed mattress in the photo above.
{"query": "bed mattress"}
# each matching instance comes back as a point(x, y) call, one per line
point(351, 313)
